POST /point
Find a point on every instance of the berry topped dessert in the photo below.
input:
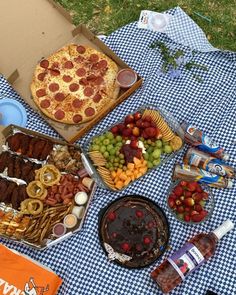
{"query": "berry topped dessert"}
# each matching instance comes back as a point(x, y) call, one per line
point(136, 231)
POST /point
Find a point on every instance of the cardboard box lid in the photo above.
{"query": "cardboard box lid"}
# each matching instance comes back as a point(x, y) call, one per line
point(28, 29)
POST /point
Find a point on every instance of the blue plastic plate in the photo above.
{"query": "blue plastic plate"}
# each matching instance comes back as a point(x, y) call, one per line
point(12, 112)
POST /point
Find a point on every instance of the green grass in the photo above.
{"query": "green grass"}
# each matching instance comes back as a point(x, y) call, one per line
point(105, 16)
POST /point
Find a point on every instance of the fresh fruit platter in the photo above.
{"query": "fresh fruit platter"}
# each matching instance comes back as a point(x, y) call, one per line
point(128, 150)
point(134, 231)
point(190, 202)
point(44, 188)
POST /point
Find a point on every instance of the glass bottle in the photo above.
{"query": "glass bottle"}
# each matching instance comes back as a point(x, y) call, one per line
point(188, 258)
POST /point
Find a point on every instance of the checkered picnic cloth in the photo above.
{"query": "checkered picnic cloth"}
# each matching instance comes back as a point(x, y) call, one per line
point(211, 105)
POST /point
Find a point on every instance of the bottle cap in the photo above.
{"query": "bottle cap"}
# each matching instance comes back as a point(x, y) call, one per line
point(230, 183)
point(223, 229)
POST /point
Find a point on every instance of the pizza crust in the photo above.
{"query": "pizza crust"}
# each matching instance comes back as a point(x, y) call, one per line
point(72, 87)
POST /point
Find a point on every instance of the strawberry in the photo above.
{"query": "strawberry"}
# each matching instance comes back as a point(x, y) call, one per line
point(173, 196)
point(120, 127)
point(114, 129)
point(187, 217)
point(204, 213)
point(181, 198)
point(198, 207)
point(205, 196)
point(111, 216)
point(178, 202)
point(187, 209)
point(134, 144)
point(199, 189)
point(125, 246)
point(146, 124)
point(178, 191)
point(192, 186)
point(130, 125)
point(194, 212)
point(147, 240)
point(139, 213)
point(139, 123)
point(197, 218)
point(187, 194)
point(197, 197)
point(147, 118)
point(183, 183)
point(180, 209)
point(171, 202)
point(151, 132)
point(189, 202)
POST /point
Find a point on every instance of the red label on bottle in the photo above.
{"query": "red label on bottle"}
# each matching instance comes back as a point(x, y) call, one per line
point(186, 260)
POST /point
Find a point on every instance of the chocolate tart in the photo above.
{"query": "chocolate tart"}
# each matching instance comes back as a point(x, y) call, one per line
point(134, 231)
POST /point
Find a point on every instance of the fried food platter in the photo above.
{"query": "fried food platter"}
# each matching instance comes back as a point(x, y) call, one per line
point(43, 186)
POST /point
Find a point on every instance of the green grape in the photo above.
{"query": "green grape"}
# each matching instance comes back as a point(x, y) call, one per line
point(111, 169)
point(142, 139)
point(149, 164)
point(158, 143)
point(146, 156)
point(156, 162)
point(121, 156)
point(107, 165)
point(109, 135)
point(146, 146)
point(95, 147)
point(112, 152)
point(156, 153)
point(150, 149)
point(106, 155)
point(112, 141)
point(117, 152)
point(118, 138)
point(116, 160)
point(168, 149)
point(90, 149)
point(116, 164)
point(119, 144)
point(112, 159)
point(101, 138)
point(150, 158)
point(122, 161)
point(109, 147)
point(153, 144)
point(121, 166)
point(106, 141)
point(149, 141)
point(103, 149)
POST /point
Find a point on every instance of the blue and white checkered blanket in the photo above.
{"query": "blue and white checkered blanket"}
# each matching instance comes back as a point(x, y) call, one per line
point(211, 105)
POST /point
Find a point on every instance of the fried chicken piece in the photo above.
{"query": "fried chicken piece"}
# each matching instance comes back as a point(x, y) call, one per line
point(3, 188)
point(14, 141)
point(24, 146)
point(32, 143)
point(8, 193)
point(15, 201)
point(46, 150)
point(25, 170)
point(10, 166)
point(4, 157)
point(38, 148)
point(19, 163)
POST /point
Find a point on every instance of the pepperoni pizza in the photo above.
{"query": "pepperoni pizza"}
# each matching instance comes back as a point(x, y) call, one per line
point(72, 85)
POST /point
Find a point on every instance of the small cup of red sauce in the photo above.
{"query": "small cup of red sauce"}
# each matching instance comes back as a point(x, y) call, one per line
point(126, 78)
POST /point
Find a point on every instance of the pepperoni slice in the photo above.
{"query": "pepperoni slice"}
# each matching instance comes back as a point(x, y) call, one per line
point(41, 92)
point(89, 112)
point(78, 59)
point(53, 87)
point(60, 96)
point(93, 57)
point(77, 118)
point(45, 103)
point(59, 115)
point(102, 64)
point(81, 49)
point(44, 63)
point(54, 72)
point(99, 81)
point(91, 77)
point(67, 78)
point(74, 87)
point(97, 97)
point(68, 65)
point(83, 81)
point(41, 76)
point(55, 65)
point(77, 103)
point(81, 72)
point(88, 91)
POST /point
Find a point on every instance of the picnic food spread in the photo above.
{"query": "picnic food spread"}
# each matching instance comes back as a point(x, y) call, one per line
point(135, 229)
point(39, 187)
point(128, 150)
point(74, 83)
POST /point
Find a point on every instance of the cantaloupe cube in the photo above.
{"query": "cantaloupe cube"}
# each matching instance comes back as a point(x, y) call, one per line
point(123, 176)
point(128, 172)
point(119, 184)
point(113, 174)
point(137, 161)
point(143, 170)
point(130, 166)
point(139, 175)
point(132, 177)
point(135, 173)
point(144, 162)
point(127, 181)
point(119, 171)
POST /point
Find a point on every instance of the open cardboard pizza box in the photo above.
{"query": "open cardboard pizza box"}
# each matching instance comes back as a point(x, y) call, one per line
point(31, 30)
